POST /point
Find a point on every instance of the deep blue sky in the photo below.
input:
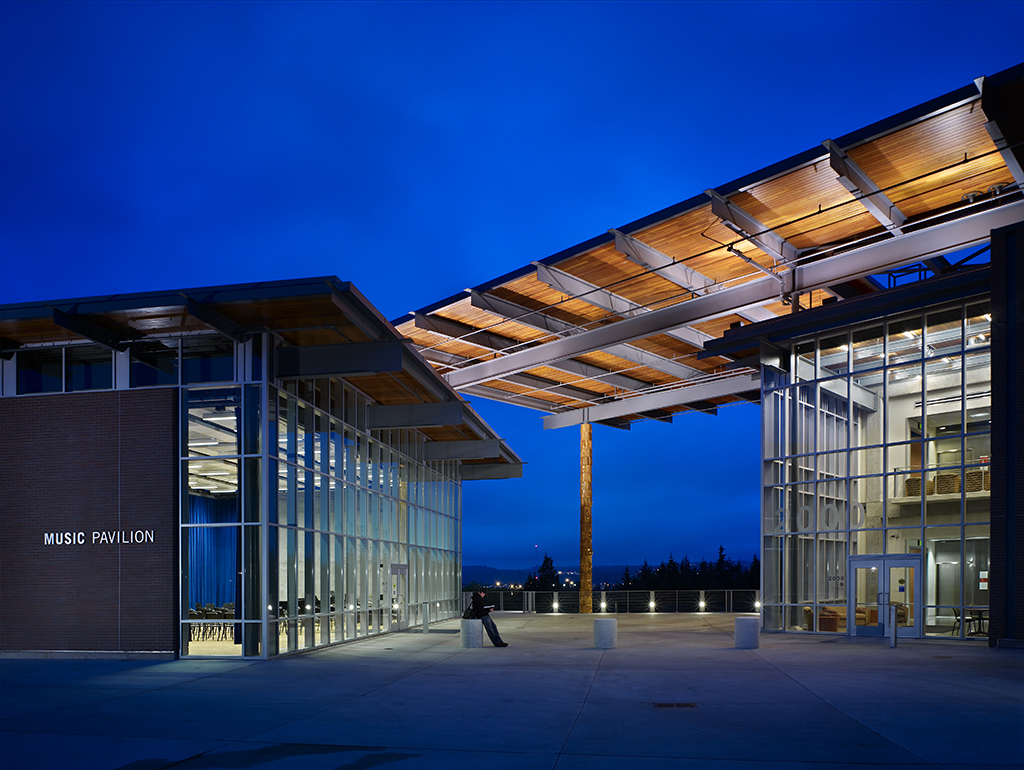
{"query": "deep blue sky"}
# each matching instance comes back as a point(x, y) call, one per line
point(419, 148)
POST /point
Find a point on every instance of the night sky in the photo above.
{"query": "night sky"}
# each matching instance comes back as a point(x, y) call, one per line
point(417, 149)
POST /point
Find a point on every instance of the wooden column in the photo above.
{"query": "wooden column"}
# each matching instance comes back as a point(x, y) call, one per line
point(586, 507)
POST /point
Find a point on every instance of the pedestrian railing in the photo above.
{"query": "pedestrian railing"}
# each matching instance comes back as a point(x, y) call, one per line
point(725, 600)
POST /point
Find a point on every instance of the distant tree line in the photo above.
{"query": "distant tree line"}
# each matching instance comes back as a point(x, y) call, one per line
point(671, 575)
point(723, 573)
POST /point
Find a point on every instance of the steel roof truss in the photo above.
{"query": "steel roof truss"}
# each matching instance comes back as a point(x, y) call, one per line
point(894, 252)
point(538, 320)
point(607, 300)
point(678, 273)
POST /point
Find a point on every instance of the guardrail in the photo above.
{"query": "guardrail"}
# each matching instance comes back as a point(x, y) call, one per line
point(726, 600)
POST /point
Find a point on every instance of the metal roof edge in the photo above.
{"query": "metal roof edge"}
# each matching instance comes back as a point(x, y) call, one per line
point(816, 153)
point(172, 297)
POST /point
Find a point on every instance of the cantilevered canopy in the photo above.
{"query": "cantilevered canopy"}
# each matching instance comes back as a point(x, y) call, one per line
point(328, 329)
point(611, 330)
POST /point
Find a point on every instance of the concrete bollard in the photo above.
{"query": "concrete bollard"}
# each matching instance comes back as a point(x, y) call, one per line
point(471, 633)
point(606, 633)
point(748, 633)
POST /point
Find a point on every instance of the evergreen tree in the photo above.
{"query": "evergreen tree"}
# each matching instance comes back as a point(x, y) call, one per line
point(547, 576)
point(644, 577)
point(626, 581)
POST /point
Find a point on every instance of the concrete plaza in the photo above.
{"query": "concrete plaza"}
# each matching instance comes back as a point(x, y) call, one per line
point(673, 694)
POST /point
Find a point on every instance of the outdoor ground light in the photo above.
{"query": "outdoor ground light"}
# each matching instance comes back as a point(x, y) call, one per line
point(554, 606)
point(651, 605)
point(702, 605)
point(757, 605)
point(603, 605)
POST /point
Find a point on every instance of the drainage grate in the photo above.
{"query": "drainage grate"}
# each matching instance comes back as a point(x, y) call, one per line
point(675, 705)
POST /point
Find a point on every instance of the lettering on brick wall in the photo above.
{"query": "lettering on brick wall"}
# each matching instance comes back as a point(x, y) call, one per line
point(111, 537)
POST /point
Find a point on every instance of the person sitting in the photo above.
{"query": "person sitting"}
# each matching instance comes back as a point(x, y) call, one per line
point(484, 613)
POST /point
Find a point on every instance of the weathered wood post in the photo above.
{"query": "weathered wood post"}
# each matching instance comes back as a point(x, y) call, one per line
point(586, 507)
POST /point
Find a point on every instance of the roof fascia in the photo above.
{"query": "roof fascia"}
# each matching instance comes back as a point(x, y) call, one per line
point(175, 298)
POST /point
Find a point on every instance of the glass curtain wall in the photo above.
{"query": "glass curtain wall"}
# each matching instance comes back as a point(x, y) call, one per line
point(363, 535)
point(299, 526)
point(876, 442)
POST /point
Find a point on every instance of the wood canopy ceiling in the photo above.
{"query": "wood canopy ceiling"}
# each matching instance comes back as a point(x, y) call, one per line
point(308, 313)
point(612, 329)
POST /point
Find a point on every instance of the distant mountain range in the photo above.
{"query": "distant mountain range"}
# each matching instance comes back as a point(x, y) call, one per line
point(491, 576)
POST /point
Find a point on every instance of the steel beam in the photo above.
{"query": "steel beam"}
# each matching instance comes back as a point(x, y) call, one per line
point(214, 319)
point(525, 379)
point(464, 332)
point(750, 229)
point(661, 264)
point(485, 471)
point(84, 327)
point(607, 300)
point(462, 450)
point(853, 178)
point(565, 329)
point(416, 415)
point(911, 247)
point(678, 273)
point(503, 397)
point(353, 359)
point(535, 319)
point(662, 400)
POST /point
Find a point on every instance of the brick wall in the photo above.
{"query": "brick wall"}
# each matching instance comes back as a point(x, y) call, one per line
point(89, 463)
point(1006, 608)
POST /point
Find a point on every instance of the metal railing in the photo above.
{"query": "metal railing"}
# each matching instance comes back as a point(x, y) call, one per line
point(725, 600)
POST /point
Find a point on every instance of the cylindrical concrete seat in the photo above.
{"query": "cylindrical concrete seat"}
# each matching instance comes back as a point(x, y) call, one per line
point(606, 633)
point(748, 633)
point(472, 633)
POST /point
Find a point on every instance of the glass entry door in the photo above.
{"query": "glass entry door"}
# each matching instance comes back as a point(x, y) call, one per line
point(880, 583)
point(399, 590)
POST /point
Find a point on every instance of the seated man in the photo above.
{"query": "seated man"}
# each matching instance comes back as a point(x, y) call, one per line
point(484, 613)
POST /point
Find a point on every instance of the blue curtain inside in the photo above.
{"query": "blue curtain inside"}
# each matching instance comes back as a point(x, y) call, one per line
point(214, 553)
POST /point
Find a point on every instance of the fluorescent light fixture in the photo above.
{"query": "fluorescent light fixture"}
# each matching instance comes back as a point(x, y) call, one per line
point(203, 443)
point(225, 418)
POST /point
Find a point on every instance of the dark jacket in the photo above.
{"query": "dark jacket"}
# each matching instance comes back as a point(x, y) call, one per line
point(479, 610)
